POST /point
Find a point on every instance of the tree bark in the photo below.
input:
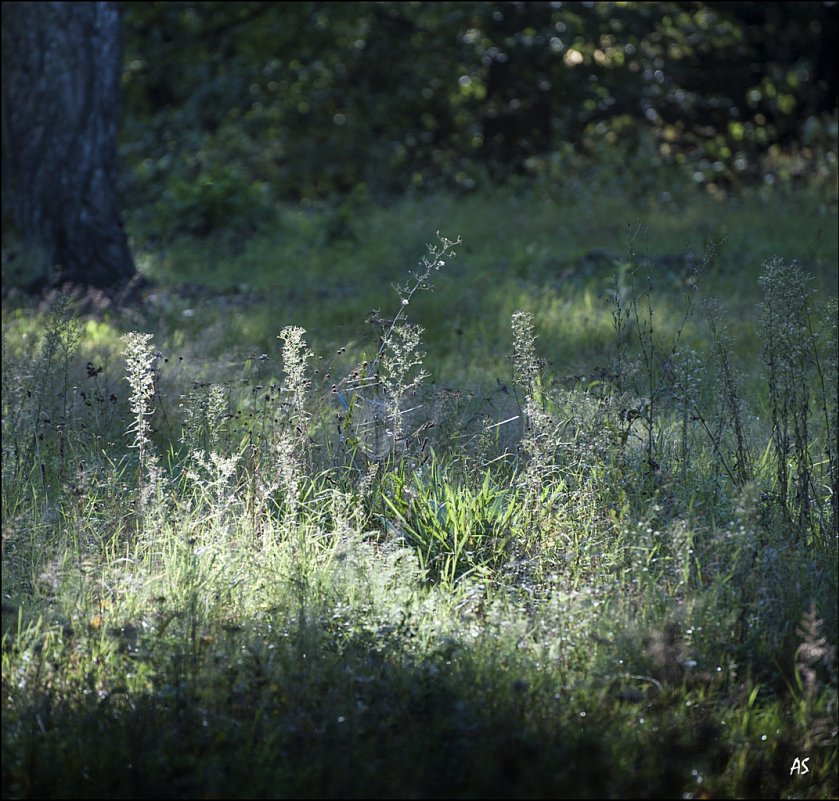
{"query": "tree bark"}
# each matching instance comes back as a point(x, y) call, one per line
point(62, 64)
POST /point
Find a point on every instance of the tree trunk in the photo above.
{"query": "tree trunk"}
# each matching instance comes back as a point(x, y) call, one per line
point(62, 64)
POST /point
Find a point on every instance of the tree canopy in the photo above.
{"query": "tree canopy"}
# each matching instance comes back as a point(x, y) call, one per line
point(230, 105)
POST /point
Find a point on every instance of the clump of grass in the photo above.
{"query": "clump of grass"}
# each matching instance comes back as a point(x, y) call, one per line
point(459, 528)
point(139, 359)
point(374, 396)
point(205, 410)
point(794, 364)
point(537, 425)
point(290, 448)
point(38, 407)
point(740, 468)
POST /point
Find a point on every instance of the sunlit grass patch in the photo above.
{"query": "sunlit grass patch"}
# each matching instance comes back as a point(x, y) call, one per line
point(517, 250)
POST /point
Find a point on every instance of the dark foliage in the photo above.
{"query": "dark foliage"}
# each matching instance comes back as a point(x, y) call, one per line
point(232, 105)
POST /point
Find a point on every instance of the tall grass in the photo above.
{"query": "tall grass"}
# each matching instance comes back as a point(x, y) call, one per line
point(328, 582)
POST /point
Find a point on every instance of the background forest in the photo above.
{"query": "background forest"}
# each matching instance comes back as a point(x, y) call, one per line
point(230, 107)
point(471, 430)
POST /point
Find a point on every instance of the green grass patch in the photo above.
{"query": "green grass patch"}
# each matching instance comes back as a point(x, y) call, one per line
point(575, 536)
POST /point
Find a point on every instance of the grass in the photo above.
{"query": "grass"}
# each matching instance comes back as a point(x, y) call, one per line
point(591, 553)
point(555, 257)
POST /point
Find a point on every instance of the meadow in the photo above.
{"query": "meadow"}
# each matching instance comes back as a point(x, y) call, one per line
point(525, 493)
